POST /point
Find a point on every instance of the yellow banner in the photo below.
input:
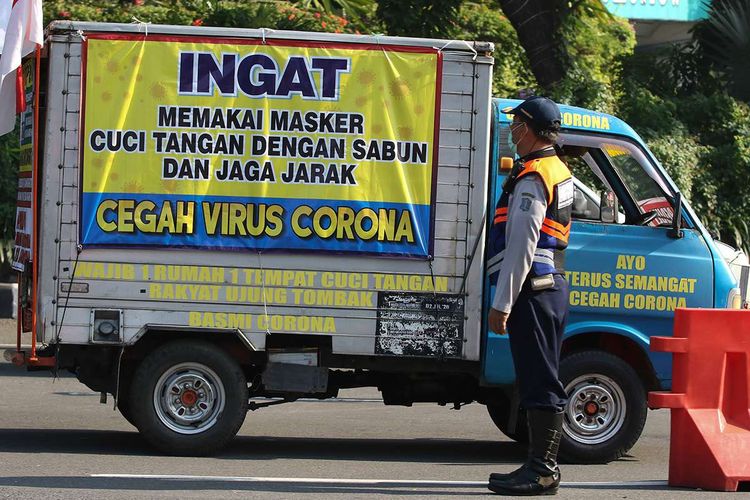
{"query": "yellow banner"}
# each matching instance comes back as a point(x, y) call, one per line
point(211, 120)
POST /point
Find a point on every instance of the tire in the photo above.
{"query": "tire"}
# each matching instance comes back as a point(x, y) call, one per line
point(123, 405)
point(188, 398)
point(500, 415)
point(617, 407)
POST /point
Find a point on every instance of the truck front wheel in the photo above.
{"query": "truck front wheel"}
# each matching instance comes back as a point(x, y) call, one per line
point(188, 398)
point(606, 409)
point(123, 404)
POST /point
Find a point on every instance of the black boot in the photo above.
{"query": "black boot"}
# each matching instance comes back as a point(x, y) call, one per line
point(540, 474)
point(503, 476)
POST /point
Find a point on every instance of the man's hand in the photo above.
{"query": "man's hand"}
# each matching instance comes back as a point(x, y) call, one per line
point(497, 320)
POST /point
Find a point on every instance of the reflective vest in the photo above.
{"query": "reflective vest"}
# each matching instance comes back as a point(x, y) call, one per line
point(555, 230)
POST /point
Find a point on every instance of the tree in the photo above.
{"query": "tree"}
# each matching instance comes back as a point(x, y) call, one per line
point(347, 8)
point(698, 132)
point(725, 41)
point(273, 14)
point(419, 18)
point(537, 22)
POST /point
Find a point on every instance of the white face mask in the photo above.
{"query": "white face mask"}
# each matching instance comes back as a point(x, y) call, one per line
point(512, 146)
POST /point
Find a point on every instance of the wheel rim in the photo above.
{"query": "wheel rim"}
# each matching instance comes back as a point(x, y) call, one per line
point(596, 409)
point(189, 398)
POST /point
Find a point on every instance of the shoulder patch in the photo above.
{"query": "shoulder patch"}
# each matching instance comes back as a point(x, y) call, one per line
point(565, 193)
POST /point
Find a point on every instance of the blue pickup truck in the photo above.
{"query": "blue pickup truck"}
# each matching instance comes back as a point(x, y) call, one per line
point(631, 262)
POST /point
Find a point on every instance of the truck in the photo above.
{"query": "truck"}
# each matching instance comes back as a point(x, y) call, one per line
point(220, 220)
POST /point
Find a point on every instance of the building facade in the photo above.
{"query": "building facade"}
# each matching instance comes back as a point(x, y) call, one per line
point(659, 22)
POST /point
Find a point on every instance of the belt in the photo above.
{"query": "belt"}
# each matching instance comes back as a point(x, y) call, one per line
point(554, 258)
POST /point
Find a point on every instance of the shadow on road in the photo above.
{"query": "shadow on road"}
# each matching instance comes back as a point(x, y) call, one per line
point(111, 444)
point(11, 370)
point(98, 442)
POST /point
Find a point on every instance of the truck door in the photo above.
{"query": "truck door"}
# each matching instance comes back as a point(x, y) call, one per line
point(630, 273)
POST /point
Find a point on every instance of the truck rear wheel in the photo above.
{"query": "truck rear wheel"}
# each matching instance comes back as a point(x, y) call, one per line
point(500, 415)
point(606, 409)
point(188, 398)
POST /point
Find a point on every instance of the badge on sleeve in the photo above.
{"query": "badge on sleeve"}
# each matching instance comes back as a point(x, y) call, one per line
point(525, 203)
point(565, 193)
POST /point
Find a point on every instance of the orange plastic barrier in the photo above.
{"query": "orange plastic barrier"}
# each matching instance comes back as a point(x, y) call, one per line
point(710, 398)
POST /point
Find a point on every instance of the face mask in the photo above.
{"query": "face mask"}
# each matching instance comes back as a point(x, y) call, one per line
point(512, 145)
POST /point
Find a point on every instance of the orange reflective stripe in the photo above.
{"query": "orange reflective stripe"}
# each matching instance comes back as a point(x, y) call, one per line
point(501, 218)
point(557, 225)
point(556, 234)
point(501, 211)
point(553, 229)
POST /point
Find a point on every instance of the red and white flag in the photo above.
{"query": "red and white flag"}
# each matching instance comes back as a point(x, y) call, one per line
point(22, 33)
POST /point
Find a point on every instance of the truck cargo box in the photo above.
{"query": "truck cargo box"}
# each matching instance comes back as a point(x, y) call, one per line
point(260, 182)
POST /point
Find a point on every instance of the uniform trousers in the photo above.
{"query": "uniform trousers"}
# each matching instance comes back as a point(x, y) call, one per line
point(535, 329)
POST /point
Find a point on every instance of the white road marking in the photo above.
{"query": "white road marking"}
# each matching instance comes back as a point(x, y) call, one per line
point(306, 480)
point(366, 482)
point(615, 484)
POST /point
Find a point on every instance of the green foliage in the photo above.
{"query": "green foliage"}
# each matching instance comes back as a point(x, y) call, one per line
point(700, 138)
point(8, 186)
point(595, 45)
point(9, 176)
point(276, 15)
point(302, 16)
point(482, 21)
point(420, 18)
point(724, 39)
point(156, 12)
point(356, 9)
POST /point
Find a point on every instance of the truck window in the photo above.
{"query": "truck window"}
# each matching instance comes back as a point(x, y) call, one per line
point(585, 204)
point(610, 164)
point(602, 164)
point(589, 184)
point(643, 188)
point(587, 189)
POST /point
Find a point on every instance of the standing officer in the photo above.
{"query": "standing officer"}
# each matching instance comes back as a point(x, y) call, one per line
point(528, 236)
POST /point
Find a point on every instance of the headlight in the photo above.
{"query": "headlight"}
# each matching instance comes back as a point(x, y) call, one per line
point(734, 300)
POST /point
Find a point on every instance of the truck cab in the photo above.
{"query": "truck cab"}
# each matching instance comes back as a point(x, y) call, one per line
point(637, 252)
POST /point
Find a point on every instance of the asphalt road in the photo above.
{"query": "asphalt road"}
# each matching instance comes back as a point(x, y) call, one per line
point(57, 441)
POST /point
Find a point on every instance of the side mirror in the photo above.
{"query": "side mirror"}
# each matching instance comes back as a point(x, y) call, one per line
point(676, 231)
point(609, 207)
